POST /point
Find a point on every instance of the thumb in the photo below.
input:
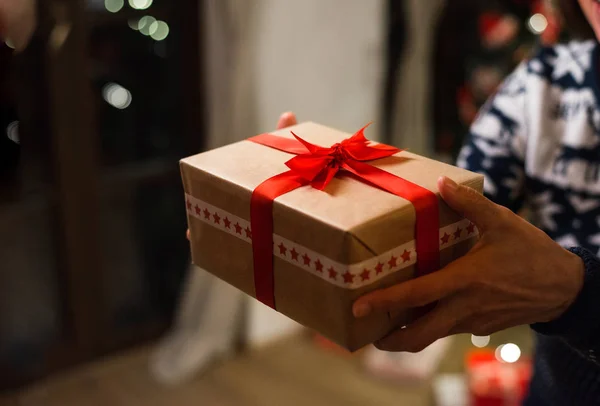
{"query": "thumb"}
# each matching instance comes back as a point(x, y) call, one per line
point(469, 203)
point(286, 120)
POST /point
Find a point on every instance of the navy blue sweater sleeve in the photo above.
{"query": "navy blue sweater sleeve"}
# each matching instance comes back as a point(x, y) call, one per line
point(579, 326)
point(536, 142)
point(496, 147)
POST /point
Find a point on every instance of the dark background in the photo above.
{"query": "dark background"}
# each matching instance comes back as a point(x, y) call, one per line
point(92, 228)
point(92, 231)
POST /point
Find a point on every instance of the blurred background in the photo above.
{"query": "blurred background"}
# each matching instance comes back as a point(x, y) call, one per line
point(98, 302)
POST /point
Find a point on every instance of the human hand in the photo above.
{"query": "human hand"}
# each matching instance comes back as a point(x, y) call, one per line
point(514, 275)
point(285, 120)
point(17, 21)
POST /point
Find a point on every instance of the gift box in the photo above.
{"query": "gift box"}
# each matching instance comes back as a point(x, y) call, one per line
point(495, 383)
point(309, 218)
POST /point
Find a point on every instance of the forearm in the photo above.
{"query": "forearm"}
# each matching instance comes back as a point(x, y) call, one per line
point(579, 326)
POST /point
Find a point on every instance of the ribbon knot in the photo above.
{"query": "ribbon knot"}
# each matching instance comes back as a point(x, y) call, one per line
point(319, 165)
point(338, 152)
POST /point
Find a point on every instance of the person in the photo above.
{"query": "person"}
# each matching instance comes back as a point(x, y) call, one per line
point(537, 142)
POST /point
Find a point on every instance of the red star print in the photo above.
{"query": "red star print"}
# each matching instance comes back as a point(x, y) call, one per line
point(457, 233)
point(197, 209)
point(217, 218)
point(365, 275)
point(238, 228)
point(189, 205)
point(471, 228)
point(348, 277)
point(392, 262)
point(227, 222)
point(248, 232)
point(332, 273)
point(445, 238)
point(206, 214)
point(405, 256)
point(319, 266)
point(379, 268)
point(294, 254)
point(306, 259)
point(282, 249)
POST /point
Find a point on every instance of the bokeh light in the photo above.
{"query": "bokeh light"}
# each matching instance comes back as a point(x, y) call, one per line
point(480, 341)
point(140, 4)
point(146, 24)
point(134, 24)
point(114, 5)
point(159, 30)
point(12, 132)
point(508, 353)
point(538, 23)
point(116, 95)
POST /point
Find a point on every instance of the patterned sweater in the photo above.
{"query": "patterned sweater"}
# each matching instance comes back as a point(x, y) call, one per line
point(537, 142)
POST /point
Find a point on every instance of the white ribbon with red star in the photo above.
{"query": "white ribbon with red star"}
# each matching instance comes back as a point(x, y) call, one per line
point(351, 276)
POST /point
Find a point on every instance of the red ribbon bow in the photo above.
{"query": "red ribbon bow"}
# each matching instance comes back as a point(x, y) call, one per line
point(320, 165)
point(317, 166)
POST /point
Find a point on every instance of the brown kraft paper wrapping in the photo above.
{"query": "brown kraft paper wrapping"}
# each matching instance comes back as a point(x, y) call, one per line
point(330, 246)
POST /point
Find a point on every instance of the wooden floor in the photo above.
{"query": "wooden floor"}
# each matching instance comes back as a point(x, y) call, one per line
point(292, 372)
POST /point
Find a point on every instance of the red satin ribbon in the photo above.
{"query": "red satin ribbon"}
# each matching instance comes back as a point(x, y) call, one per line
point(317, 166)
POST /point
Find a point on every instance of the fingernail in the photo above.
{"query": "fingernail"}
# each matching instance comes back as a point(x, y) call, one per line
point(449, 183)
point(362, 310)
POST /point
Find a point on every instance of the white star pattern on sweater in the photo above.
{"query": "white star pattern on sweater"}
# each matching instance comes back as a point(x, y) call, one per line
point(583, 205)
point(572, 60)
point(568, 240)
